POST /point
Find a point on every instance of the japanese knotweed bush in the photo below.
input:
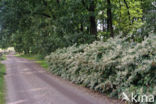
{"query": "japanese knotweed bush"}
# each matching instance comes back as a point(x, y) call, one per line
point(110, 67)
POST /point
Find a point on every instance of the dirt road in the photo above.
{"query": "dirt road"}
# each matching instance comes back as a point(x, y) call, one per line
point(28, 83)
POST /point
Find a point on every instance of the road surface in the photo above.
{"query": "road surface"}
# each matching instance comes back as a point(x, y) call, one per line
point(28, 83)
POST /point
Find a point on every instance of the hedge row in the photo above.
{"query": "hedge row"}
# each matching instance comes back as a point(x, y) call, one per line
point(110, 67)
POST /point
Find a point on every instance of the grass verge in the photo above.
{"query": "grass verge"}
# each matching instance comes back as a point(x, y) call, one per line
point(2, 82)
point(38, 59)
point(2, 58)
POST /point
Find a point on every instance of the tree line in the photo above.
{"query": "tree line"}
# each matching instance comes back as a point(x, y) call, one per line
point(42, 26)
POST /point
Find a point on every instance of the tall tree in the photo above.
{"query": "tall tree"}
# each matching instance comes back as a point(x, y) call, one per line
point(109, 18)
point(92, 18)
point(42, 26)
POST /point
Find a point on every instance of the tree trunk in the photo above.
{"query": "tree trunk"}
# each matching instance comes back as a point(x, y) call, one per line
point(103, 25)
point(81, 27)
point(128, 12)
point(92, 18)
point(109, 19)
point(120, 15)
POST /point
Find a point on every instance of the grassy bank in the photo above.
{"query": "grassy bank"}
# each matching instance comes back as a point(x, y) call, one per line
point(38, 59)
point(2, 82)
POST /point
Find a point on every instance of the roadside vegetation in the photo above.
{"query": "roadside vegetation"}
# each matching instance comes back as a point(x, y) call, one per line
point(106, 45)
point(110, 67)
point(2, 81)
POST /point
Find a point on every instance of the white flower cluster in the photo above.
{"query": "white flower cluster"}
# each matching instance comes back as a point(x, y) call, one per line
point(109, 67)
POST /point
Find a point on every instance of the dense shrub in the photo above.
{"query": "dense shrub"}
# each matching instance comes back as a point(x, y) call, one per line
point(109, 67)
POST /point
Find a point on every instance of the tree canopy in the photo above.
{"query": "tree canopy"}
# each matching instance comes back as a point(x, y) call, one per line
point(42, 26)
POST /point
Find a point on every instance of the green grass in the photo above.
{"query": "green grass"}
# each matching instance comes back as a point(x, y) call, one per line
point(2, 58)
point(2, 82)
point(38, 59)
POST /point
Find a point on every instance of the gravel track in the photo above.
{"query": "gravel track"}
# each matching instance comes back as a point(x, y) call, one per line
point(28, 83)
